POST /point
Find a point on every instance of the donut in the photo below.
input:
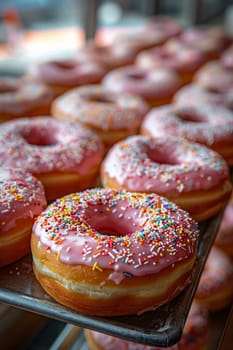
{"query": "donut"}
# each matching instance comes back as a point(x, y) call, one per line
point(110, 253)
point(165, 25)
point(183, 59)
point(22, 198)
point(206, 124)
point(112, 115)
point(196, 332)
point(210, 40)
point(64, 75)
point(226, 59)
point(214, 77)
point(215, 289)
point(110, 56)
point(64, 156)
point(224, 239)
point(155, 32)
point(194, 94)
point(195, 335)
point(139, 39)
point(190, 175)
point(22, 98)
point(156, 86)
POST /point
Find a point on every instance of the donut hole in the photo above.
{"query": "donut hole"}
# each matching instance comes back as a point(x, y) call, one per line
point(160, 157)
point(190, 116)
point(109, 231)
point(112, 228)
point(64, 65)
point(99, 99)
point(136, 76)
point(213, 90)
point(117, 224)
point(39, 138)
point(163, 54)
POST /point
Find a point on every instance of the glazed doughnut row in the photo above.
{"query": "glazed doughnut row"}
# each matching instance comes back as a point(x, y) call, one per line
point(154, 62)
point(108, 162)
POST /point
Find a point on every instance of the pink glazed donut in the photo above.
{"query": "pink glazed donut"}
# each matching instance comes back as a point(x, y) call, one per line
point(156, 31)
point(110, 253)
point(22, 198)
point(138, 39)
point(111, 56)
point(67, 74)
point(195, 335)
point(214, 77)
point(156, 86)
point(167, 26)
point(206, 124)
point(183, 59)
point(194, 94)
point(21, 98)
point(215, 289)
point(63, 155)
point(189, 174)
point(226, 58)
point(224, 239)
point(210, 40)
point(112, 115)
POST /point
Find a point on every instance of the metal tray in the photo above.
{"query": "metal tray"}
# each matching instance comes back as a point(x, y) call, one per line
point(162, 327)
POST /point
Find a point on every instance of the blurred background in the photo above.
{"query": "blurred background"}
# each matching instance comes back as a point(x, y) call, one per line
point(35, 30)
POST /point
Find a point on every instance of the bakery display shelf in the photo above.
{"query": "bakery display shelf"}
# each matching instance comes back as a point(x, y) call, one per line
point(161, 327)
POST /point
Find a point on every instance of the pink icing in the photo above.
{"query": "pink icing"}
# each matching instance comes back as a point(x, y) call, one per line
point(217, 274)
point(226, 58)
point(204, 124)
point(228, 216)
point(155, 32)
point(195, 334)
point(185, 59)
point(196, 329)
point(225, 234)
point(139, 39)
point(208, 39)
point(94, 105)
point(194, 94)
point(168, 166)
point(215, 77)
point(164, 25)
point(148, 83)
point(17, 96)
point(44, 144)
point(21, 197)
point(68, 72)
point(110, 56)
point(147, 233)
